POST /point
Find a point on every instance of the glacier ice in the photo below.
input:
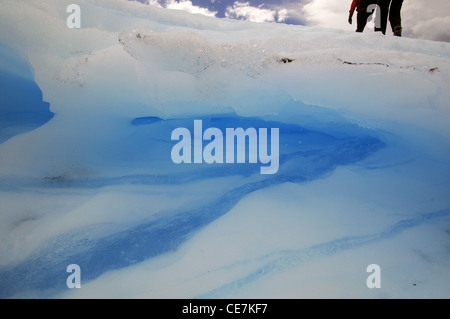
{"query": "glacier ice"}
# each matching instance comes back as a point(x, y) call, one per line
point(86, 176)
point(21, 105)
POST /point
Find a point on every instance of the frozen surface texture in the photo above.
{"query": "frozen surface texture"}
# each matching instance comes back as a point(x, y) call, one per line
point(86, 175)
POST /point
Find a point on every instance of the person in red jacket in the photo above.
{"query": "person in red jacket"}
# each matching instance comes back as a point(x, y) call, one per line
point(363, 15)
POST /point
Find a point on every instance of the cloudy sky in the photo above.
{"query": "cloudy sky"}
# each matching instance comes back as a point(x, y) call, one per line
point(425, 19)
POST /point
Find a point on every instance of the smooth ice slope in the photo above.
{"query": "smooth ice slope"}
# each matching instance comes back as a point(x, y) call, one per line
point(364, 158)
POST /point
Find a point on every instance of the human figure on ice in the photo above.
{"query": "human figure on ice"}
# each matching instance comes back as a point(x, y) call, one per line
point(392, 9)
point(362, 16)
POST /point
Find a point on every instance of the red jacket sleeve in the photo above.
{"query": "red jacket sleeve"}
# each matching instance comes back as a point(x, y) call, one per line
point(355, 3)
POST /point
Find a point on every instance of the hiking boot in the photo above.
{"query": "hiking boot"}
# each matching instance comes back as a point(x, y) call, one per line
point(398, 31)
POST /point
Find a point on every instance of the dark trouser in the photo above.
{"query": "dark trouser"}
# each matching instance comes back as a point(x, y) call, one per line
point(361, 20)
point(393, 12)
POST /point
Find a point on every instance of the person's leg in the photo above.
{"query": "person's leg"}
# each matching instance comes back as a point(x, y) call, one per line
point(384, 12)
point(361, 20)
point(395, 17)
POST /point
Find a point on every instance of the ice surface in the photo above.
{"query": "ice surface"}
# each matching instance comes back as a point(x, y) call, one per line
point(19, 112)
point(364, 157)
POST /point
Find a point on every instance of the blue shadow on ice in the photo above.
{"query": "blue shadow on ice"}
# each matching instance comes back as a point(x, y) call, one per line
point(21, 106)
point(305, 154)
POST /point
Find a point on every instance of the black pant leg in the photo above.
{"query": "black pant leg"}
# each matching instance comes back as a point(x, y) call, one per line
point(394, 13)
point(384, 13)
point(362, 20)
